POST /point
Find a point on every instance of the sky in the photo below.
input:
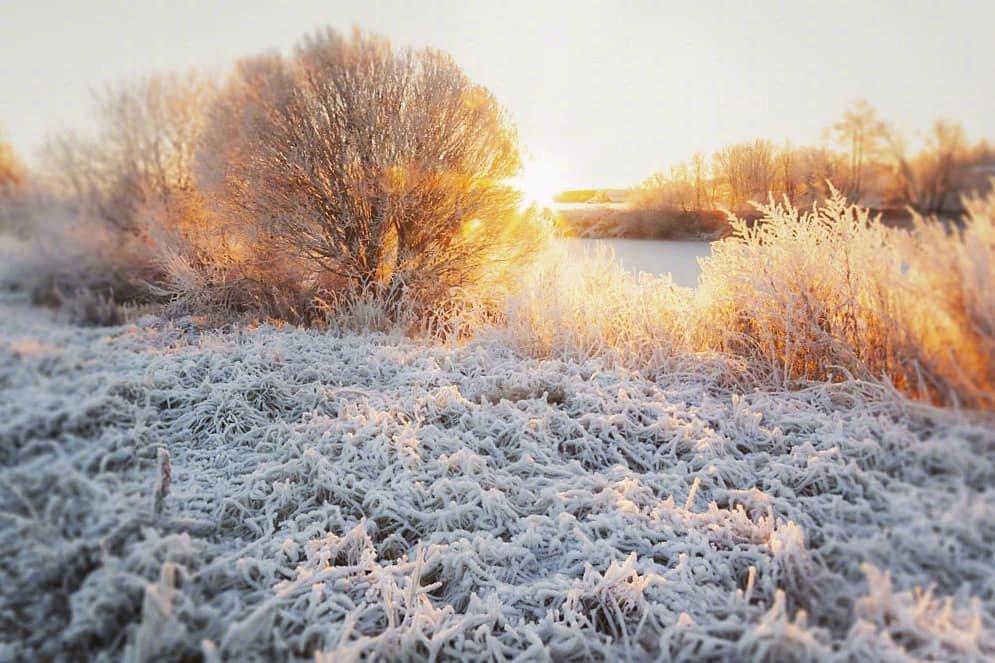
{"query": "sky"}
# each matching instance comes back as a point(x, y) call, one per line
point(603, 93)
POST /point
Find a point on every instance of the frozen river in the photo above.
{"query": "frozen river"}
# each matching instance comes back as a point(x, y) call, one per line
point(651, 255)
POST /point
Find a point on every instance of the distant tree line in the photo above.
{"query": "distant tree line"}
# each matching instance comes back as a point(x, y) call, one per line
point(867, 159)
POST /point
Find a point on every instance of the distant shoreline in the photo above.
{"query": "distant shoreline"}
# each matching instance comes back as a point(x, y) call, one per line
point(618, 221)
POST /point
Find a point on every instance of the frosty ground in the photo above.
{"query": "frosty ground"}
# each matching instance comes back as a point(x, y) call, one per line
point(173, 492)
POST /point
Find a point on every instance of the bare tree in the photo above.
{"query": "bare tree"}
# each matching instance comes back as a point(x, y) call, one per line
point(761, 172)
point(859, 133)
point(926, 181)
point(787, 170)
point(141, 155)
point(747, 171)
point(702, 191)
point(727, 170)
point(681, 187)
point(820, 168)
point(11, 170)
point(670, 190)
point(379, 166)
point(945, 149)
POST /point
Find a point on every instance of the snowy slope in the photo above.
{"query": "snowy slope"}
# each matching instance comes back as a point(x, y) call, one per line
point(172, 492)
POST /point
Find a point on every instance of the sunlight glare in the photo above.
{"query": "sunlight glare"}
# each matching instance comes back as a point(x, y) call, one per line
point(539, 182)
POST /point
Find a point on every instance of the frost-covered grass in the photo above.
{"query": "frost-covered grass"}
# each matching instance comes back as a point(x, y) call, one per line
point(831, 292)
point(168, 492)
point(799, 297)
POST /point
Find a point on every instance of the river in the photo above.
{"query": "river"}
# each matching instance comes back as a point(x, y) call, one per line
point(653, 256)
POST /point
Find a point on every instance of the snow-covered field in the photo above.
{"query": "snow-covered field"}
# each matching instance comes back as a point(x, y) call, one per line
point(168, 492)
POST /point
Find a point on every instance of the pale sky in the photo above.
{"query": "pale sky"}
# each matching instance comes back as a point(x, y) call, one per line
point(603, 92)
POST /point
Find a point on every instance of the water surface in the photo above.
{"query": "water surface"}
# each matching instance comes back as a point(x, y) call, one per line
point(653, 256)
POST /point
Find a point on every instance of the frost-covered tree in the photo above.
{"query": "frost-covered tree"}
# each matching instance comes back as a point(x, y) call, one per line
point(928, 180)
point(11, 171)
point(141, 155)
point(383, 167)
point(747, 171)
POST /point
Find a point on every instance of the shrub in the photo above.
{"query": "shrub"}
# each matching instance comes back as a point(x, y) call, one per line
point(66, 257)
point(792, 298)
point(105, 207)
point(600, 221)
point(140, 157)
point(952, 272)
point(377, 171)
point(12, 194)
point(795, 291)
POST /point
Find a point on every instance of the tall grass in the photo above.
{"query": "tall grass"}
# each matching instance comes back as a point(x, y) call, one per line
point(593, 308)
point(831, 294)
point(811, 295)
point(952, 272)
point(827, 294)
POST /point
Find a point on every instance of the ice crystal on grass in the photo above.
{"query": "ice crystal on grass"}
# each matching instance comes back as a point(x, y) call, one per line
point(340, 497)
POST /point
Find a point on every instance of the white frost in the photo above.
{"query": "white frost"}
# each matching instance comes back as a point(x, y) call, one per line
point(348, 496)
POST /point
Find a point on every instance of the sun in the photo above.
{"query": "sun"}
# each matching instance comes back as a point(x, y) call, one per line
point(539, 182)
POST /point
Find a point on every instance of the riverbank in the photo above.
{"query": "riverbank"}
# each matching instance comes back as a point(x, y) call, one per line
point(619, 221)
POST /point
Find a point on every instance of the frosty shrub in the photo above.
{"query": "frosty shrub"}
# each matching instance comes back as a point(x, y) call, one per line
point(808, 295)
point(140, 157)
point(103, 208)
point(12, 193)
point(68, 259)
point(797, 297)
point(832, 294)
point(381, 170)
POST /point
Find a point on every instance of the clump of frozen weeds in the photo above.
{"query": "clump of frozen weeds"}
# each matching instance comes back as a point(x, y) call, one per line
point(171, 493)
